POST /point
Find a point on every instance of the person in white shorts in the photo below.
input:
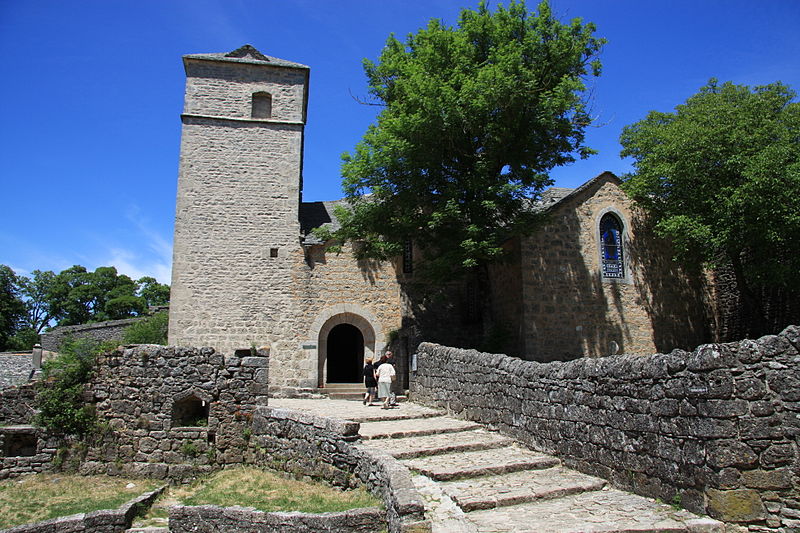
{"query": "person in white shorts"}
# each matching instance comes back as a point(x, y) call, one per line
point(385, 374)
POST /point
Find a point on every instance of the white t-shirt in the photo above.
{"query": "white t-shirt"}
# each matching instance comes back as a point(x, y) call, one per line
point(385, 373)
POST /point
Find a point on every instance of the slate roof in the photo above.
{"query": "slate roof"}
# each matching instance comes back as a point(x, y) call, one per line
point(316, 214)
point(247, 54)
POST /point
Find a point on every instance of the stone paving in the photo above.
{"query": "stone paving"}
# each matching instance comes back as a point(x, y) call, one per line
point(475, 481)
point(354, 410)
point(410, 447)
point(425, 426)
point(604, 510)
point(480, 462)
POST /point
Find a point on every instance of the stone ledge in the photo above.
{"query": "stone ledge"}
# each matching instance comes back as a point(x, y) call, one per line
point(102, 521)
point(214, 518)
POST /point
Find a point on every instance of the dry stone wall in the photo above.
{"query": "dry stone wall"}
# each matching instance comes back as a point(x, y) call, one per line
point(716, 429)
point(327, 448)
point(26, 450)
point(211, 519)
point(110, 330)
point(17, 404)
point(172, 412)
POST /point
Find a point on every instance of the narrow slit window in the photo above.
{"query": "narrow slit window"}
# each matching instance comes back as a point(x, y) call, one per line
point(408, 258)
point(611, 252)
point(262, 105)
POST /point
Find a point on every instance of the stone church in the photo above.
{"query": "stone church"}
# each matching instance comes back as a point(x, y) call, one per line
point(248, 273)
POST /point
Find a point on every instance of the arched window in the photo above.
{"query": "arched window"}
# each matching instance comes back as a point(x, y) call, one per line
point(262, 105)
point(611, 252)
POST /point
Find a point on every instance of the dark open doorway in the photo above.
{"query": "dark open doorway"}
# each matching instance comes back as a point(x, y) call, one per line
point(345, 354)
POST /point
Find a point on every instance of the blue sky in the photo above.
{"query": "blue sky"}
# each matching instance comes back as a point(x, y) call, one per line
point(92, 91)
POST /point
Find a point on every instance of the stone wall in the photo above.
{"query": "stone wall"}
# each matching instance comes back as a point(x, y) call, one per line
point(716, 429)
point(26, 450)
point(17, 404)
point(110, 330)
point(327, 448)
point(211, 519)
point(15, 368)
point(172, 412)
point(570, 310)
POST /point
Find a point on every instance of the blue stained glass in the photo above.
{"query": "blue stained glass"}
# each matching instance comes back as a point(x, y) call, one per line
point(611, 246)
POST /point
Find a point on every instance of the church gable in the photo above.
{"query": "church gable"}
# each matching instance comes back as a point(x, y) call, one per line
point(595, 280)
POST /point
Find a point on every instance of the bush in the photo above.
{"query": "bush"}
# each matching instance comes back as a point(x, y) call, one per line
point(59, 399)
point(151, 330)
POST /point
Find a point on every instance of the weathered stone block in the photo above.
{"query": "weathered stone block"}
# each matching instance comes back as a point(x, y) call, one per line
point(739, 506)
point(780, 478)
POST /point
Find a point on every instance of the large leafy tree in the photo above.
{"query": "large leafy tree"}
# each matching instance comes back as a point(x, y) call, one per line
point(473, 118)
point(12, 309)
point(153, 292)
point(721, 177)
point(78, 296)
point(35, 292)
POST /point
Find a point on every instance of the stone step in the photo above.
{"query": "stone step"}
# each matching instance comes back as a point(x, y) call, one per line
point(488, 492)
point(399, 428)
point(410, 447)
point(607, 510)
point(148, 529)
point(504, 460)
point(358, 397)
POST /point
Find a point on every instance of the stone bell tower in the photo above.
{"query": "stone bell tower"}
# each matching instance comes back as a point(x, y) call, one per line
point(236, 221)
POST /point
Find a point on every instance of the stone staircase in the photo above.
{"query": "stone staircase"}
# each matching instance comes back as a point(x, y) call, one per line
point(475, 480)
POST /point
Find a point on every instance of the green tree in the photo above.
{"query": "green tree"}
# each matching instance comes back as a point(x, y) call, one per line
point(78, 296)
point(721, 177)
point(12, 309)
point(35, 291)
point(60, 399)
point(153, 292)
point(473, 119)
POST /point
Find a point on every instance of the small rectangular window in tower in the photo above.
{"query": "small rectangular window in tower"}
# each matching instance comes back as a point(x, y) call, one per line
point(262, 105)
point(408, 258)
point(273, 252)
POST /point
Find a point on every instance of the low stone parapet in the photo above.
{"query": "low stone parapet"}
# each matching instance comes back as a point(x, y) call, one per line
point(211, 519)
point(327, 448)
point(716, 430)
point(103, 521)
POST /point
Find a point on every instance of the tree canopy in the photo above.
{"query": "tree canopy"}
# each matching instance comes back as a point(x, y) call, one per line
point(721, 176)
point(473, 118)
point(28, 305)
point(12, 310)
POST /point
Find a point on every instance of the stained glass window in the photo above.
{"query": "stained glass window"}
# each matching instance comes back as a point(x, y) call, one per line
point(611, 247)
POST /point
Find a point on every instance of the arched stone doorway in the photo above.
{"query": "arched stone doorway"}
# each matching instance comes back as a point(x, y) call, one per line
point(345, 335)
point(345, 354)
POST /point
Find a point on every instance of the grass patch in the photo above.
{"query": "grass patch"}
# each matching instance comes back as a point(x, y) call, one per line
point(270, 491)
point(44, 496)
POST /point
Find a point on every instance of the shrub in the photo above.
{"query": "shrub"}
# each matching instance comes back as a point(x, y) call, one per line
point(59, 398)
point(150, 330)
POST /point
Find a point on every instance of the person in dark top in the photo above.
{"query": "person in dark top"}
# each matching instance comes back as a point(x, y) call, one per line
point(369, 381)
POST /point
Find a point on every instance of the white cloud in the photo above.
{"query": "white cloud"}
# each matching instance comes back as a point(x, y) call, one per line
point(152, 257)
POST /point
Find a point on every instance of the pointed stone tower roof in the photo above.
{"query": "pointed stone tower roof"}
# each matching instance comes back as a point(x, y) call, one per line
point(246, 54)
